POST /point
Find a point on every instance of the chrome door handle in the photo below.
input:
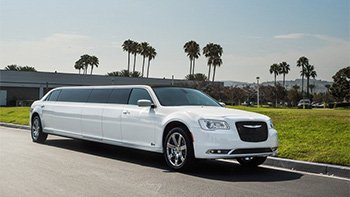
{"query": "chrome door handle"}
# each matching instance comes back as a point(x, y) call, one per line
point(126, 112)
point(42, 106)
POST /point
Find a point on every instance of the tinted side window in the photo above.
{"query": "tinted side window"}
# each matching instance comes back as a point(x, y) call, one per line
point(54, 95)
point(137, 94)
point(119, 96)
point(74, 95)
point(99, 95)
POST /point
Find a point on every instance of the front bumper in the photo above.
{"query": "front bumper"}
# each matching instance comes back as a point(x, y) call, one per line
point(227, 144)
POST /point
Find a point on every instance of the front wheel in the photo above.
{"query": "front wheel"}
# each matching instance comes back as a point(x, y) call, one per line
point(36, 130)
point(251, 162)
point(178, 149)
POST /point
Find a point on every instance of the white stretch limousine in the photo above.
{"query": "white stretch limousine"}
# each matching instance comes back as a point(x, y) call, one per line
point(182, 123)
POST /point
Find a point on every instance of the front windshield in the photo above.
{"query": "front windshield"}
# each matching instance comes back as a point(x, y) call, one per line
point(173, 96)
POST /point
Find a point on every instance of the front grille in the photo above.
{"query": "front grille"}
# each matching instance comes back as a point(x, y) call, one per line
point(251, 150)
point(252, 131)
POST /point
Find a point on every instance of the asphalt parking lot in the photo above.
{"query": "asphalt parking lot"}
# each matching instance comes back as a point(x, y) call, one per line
point(67, 167)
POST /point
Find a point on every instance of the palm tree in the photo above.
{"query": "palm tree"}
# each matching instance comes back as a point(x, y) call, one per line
point(135, 49)
point(151, 54)
point(143, 51)
point(207, 53)
point(85, 61)
point(213, 52)
point(193, 52)
point(93, 61)
point(309, 71)
point(302, 62)
point(285, 68)
point(78, 65)
point(127, 47)
point(217, 61)
point(275, 69)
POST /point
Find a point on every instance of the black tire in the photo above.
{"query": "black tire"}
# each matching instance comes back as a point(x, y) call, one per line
point(36, 130)
point(175, 151)
point(251, 162)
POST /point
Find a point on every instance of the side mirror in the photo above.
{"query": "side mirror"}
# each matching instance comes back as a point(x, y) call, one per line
point(144, 103)
point(222, 104)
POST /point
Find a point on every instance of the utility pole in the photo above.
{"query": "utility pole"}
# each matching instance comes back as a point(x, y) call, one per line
point(258, 102)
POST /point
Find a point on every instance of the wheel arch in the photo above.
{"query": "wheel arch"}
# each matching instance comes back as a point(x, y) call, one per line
point(34, 114)
point(172, 124)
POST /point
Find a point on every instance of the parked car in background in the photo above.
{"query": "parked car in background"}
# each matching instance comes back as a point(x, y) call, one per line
point(182, 123)
point(317, 105)
point(304, 103)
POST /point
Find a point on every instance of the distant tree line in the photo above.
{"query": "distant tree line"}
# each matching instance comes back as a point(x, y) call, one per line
point(14, 67)
point(307, 71)
point(339, 91)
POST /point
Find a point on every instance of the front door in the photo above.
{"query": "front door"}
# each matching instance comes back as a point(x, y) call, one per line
point(138, 123)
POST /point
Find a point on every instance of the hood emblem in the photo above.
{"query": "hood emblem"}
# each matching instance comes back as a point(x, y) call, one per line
point(252, 126)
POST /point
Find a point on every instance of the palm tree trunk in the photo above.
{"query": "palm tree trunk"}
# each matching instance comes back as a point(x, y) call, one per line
point(79, 71)
point(190, 66)
point(307, 86)
point(193, 64)
point(209, 72)
point(92, 67)
point(214, 73)
point(128, 62)
point(133, 70)
point(275, 91)
point(143, 65)
point(148, 67)
point(284, 80)
point(302, 86)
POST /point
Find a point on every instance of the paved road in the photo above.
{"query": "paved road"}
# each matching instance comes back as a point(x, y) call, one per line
point(67, 167)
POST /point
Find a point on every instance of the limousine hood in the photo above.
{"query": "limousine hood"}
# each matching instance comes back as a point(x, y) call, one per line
point(210, 112)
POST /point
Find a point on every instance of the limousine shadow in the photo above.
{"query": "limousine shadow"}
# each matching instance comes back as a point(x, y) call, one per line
point(208, 169)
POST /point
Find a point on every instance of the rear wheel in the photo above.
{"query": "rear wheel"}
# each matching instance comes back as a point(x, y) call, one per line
point(178, 149)
point(36, 130)
point(251, 162)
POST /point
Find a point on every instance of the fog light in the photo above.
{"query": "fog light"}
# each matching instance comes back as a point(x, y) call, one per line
point(218, 151)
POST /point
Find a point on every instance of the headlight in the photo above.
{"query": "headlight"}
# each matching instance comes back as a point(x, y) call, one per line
point(211, 125)
point(270, 124)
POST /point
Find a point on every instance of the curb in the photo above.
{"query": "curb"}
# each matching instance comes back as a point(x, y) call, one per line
point(312, 167)
point(320, 168)
point(16, 126)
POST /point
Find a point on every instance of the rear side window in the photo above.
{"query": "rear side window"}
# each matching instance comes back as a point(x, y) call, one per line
point(99, 95)
point(54, 95)
point(119, 96)
point(137, 94)
point(74, 95)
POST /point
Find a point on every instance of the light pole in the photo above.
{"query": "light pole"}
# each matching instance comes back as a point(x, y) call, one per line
point(257, 80)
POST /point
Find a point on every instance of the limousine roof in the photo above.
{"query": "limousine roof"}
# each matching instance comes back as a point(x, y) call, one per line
point(106, 86)
point(119, 86)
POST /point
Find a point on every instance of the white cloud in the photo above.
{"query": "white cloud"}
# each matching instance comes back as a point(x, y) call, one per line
point(290, 36)
point(306, 35)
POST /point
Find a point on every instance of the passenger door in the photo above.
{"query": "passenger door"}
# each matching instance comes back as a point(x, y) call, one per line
point(48, 116)
point(138, 123)
point(111, 119)
point(68, 109)
point(91, 113)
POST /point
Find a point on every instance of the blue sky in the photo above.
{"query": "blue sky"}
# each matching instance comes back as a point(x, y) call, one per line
point(51, 35)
